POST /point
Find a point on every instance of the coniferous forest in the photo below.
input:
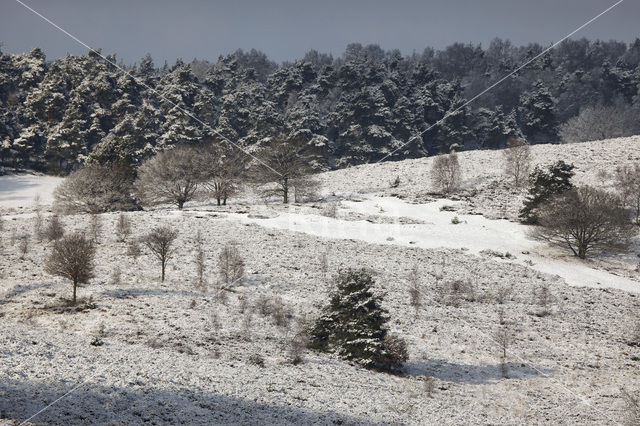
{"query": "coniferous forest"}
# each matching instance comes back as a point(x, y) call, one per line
point(58, 114)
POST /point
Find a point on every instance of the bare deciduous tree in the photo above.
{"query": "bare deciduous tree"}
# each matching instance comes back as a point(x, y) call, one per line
point(171, 177)
point(96, 189)
point(600, 122)
point(223, 170)
point(230, 264)
point(160, 241)
point(285, 167)
point(517, 161)
point(445, 173)
point(72, 258)
point(584, 220)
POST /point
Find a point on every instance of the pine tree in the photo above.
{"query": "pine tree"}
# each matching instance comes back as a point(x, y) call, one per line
point(353, 325)
point(555, 180)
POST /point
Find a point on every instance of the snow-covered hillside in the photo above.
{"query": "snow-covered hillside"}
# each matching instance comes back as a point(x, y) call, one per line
point(174, 352)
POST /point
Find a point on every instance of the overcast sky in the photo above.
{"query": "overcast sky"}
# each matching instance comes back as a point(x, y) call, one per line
point(286, 29)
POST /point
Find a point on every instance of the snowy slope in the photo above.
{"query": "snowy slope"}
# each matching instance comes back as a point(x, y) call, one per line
point(17, 191)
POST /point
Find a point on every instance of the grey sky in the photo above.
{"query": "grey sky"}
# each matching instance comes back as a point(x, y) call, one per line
point(286, 29)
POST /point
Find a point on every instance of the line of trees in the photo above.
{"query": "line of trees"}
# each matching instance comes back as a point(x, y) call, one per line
point(58, 115)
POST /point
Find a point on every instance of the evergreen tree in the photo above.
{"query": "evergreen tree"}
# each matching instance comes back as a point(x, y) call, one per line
point(545, 184)
point(353, 325)
point(537, 114)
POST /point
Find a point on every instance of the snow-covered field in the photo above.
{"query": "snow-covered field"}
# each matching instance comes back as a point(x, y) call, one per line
point(173, 352)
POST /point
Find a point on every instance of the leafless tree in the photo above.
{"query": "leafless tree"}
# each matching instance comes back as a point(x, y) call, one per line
point(123, 228)
point(95, 227)
point(584, 220)
point(200, 259)
point(54, 229)
point(223, 170)
point(445, 173)
point(504, 337)
point(230, 264)
point(96, 189)
point(517, 161)
point(173, 176)
point(628, 185)
point(160, 241)
point(72, 257)
point(38, 220)
point(285, 167)
point(414, 288)
point(600, 122)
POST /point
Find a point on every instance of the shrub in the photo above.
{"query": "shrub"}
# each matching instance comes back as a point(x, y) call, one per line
point(584, 220)
point(517, 161)
point(445, 174)
point(628, 184)
point(123, 228)
point(394, 352)
point(72, 258)
point(96, 189)
point(353, 324)
point(54, 229)
point(544, 185)
point(230, 264)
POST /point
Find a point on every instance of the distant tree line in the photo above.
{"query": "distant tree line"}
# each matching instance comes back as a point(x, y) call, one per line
point(59, 115)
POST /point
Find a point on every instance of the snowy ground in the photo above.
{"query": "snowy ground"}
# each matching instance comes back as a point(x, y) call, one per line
point(174, 352)
point(20, 191)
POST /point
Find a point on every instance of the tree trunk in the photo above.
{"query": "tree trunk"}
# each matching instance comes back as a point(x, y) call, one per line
point(224, 201)
point(285, 191)
point(163, 265)
point(180, 204)
point(75, 286)
point(218, 199)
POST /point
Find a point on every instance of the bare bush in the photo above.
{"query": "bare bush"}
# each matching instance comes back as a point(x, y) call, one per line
point(200, 260)
point(23, 246)
point(394, 352)
point(230, 265)
point(133, 249)
point(628, 185)
point(452, 293)
point(96, 189)
point(446, 175)
point(160, 241)
point(171, 177)
point(95, 226)
point(123, 228)
point(54, 229)
point(600, 122)
point(415, 296)
point(584, 220)
point(72, 257)
point(116, 276)
point(517, 161)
